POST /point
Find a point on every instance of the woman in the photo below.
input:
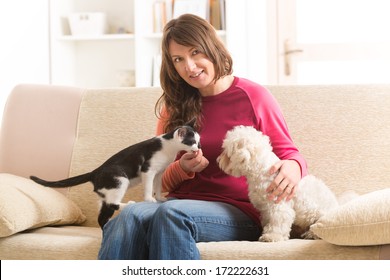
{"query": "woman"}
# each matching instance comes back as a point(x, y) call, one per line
point(204, 204)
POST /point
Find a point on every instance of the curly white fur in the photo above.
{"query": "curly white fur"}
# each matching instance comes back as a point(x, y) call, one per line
point(247, 152)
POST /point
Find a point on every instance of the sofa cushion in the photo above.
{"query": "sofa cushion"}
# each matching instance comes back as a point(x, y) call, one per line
point(25, 205)
point(362, 221)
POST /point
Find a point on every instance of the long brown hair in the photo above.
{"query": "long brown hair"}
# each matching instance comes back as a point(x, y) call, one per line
point(182, 101)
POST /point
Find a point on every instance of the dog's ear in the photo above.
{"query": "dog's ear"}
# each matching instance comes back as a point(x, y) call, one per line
point(243, 157)
point(223, 160)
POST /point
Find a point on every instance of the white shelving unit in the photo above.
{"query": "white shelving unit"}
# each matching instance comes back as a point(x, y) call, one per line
point(91, 61)
point(102, 60)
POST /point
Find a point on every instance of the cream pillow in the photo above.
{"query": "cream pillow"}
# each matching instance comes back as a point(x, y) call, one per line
point(364, 220)
point(26, 205)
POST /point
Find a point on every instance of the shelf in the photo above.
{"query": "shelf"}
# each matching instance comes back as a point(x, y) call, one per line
point(105, 37)
point(155, 35)
point(158, 35)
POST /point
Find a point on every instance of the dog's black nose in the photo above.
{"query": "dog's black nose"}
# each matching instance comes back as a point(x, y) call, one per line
point(199, 146)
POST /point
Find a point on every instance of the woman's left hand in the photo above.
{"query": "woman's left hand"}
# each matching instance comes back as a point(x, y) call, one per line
point(286, 181)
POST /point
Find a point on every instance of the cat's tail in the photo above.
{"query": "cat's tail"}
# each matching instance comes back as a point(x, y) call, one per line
point(73, 181)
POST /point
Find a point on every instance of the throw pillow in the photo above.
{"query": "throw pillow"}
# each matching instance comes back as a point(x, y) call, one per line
point(26, 205)
point(362, 221)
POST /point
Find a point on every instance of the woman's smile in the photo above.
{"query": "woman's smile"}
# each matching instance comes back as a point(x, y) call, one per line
point(194, 76)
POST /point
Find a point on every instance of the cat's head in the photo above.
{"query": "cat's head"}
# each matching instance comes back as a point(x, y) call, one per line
point(185, 137)
point(188, 137)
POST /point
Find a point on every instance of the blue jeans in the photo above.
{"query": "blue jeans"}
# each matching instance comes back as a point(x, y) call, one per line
point(170, 230)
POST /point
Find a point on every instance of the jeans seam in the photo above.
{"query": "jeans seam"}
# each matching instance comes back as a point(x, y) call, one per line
point(194, 227)
point(206, 220)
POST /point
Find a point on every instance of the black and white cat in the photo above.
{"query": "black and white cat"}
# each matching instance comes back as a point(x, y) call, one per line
point(142, 162)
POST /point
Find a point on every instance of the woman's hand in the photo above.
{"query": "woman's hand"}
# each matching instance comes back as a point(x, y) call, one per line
point(193, 161)
point(286, 181)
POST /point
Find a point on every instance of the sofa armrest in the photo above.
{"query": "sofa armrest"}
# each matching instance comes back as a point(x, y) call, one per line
point(38, 130)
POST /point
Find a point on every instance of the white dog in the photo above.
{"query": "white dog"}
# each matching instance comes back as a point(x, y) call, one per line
point(247, 152)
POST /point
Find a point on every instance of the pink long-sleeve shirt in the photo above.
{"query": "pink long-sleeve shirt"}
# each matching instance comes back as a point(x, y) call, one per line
point(243, 103)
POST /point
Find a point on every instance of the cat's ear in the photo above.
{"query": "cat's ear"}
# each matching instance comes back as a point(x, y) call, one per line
point(182, 131)
point(191, 123)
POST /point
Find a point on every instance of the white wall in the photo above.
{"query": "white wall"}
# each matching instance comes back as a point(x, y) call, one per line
point(247, 38)
point(24, 47)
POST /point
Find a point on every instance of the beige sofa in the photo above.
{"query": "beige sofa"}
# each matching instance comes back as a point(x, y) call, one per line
point(55, 131)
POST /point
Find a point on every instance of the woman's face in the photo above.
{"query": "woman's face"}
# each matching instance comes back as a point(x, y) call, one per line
point(193, 67)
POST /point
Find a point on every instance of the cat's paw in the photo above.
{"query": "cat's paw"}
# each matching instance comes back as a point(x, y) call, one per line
point(123, 205)
point(161, 199)
point(150, 199)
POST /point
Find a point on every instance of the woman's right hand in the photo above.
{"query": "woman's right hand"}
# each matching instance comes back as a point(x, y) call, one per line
point(193, 162)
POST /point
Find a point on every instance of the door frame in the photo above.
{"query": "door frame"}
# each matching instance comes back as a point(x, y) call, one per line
point(282, 25)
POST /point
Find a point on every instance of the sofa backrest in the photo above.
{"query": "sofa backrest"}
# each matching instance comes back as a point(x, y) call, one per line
point(53, 132)
point(343, 131)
